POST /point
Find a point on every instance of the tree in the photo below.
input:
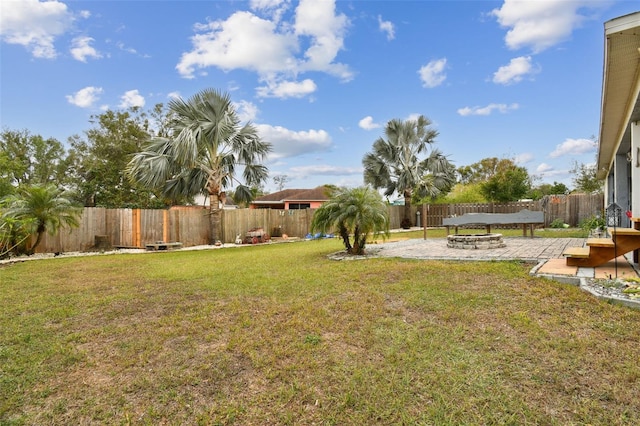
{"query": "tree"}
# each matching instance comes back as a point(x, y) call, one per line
point(27, 159)
point(98, 163)
point(399, 163)
point(358, 212)
point(480, 171)
point(280, 181)
point(203, 150)
point(509, 183)
point(557, 188)
point(585, 179)
point(44, 207)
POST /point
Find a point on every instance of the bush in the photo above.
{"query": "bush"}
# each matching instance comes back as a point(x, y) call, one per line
point(557, 223)
point(594, 222)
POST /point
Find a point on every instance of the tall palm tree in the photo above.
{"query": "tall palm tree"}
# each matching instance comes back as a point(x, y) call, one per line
point(358, 212)
point(400, 162)
point(207, 147)
point(43, 208)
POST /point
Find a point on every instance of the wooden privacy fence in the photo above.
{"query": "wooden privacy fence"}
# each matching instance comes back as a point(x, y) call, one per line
point(571, 209)
point(190, 225)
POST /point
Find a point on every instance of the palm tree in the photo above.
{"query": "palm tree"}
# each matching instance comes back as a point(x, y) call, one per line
point(205, 149)
point(43, 208)
point(358, 212)
point(398, 163)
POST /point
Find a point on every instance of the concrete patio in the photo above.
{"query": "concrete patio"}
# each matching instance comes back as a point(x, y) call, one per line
point(545, 253)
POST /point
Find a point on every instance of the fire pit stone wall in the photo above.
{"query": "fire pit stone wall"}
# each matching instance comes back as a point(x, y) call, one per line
point(475, 241)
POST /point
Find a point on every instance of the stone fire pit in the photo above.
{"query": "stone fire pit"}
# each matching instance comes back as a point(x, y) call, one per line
point(475, 241)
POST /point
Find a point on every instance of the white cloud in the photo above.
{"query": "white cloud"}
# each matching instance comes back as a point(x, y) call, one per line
point(515, 71)
point(541, 24)
point(574, 147)
point(289, 143)
point(242, 41)
point(81, 49)
point(270, 48)
point(523, 158)
point(318, 21)
point(34, 25)
point(487, 110)
point(85, 98)
point(247, 111)
point(274, 8)
point(433, 74)
point(367, 123)
point(173, 95)
point(287, 89)
point(544, 168)
point(386, 27)
point(131, 98)
point(299, 172)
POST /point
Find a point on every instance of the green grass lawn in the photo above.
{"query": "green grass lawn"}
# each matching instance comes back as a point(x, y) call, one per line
point(279, 334)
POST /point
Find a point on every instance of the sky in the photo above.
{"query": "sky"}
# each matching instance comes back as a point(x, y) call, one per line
point(319, 78)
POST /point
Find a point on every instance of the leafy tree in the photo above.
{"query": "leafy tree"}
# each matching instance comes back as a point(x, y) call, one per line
point(27, 159)
point(358, 212)
point(462, 193)
point(585, 179)
point(557, 188)
point(44, 208)
point(98, 163)
point(480, 171)
point(202, 154)
point(399, 163)
point(509, 183)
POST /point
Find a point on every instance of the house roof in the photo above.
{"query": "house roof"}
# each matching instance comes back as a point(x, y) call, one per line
point(315, 194)
point(620, 88)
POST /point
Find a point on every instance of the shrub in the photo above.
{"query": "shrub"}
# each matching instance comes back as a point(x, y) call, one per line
point(557, 223)
point(594, 222)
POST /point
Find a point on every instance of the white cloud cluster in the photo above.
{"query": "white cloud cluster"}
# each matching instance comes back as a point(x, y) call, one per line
point(287, 89)
point(541, 24)
point(34, 25)
point(487, 110)
point(85, 98)
point(367, 123)
point(288, 143)
point(544, 168)
point(272, 48)
point(387, 28)
point(517, 69)
point(131, 98)
point(523, 158)
point(574, 147)
point(81, 49)
point(300, 172)
point(537, 25)
point(433, 74)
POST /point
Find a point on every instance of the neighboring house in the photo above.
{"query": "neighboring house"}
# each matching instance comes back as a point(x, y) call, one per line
point(292, 199)
point(619, 145)
point(203, 200)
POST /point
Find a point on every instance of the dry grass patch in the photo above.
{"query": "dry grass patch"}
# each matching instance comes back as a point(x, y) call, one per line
point(279, 334)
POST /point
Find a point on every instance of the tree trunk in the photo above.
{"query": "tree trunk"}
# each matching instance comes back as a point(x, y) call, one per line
point(344, 233)
point(407, 205)
point(215, 219)
point(32, 250)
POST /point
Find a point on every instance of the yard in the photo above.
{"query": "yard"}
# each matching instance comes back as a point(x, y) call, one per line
point(279, 334)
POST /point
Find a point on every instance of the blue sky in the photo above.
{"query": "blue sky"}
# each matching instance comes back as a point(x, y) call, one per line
point(320, 78)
